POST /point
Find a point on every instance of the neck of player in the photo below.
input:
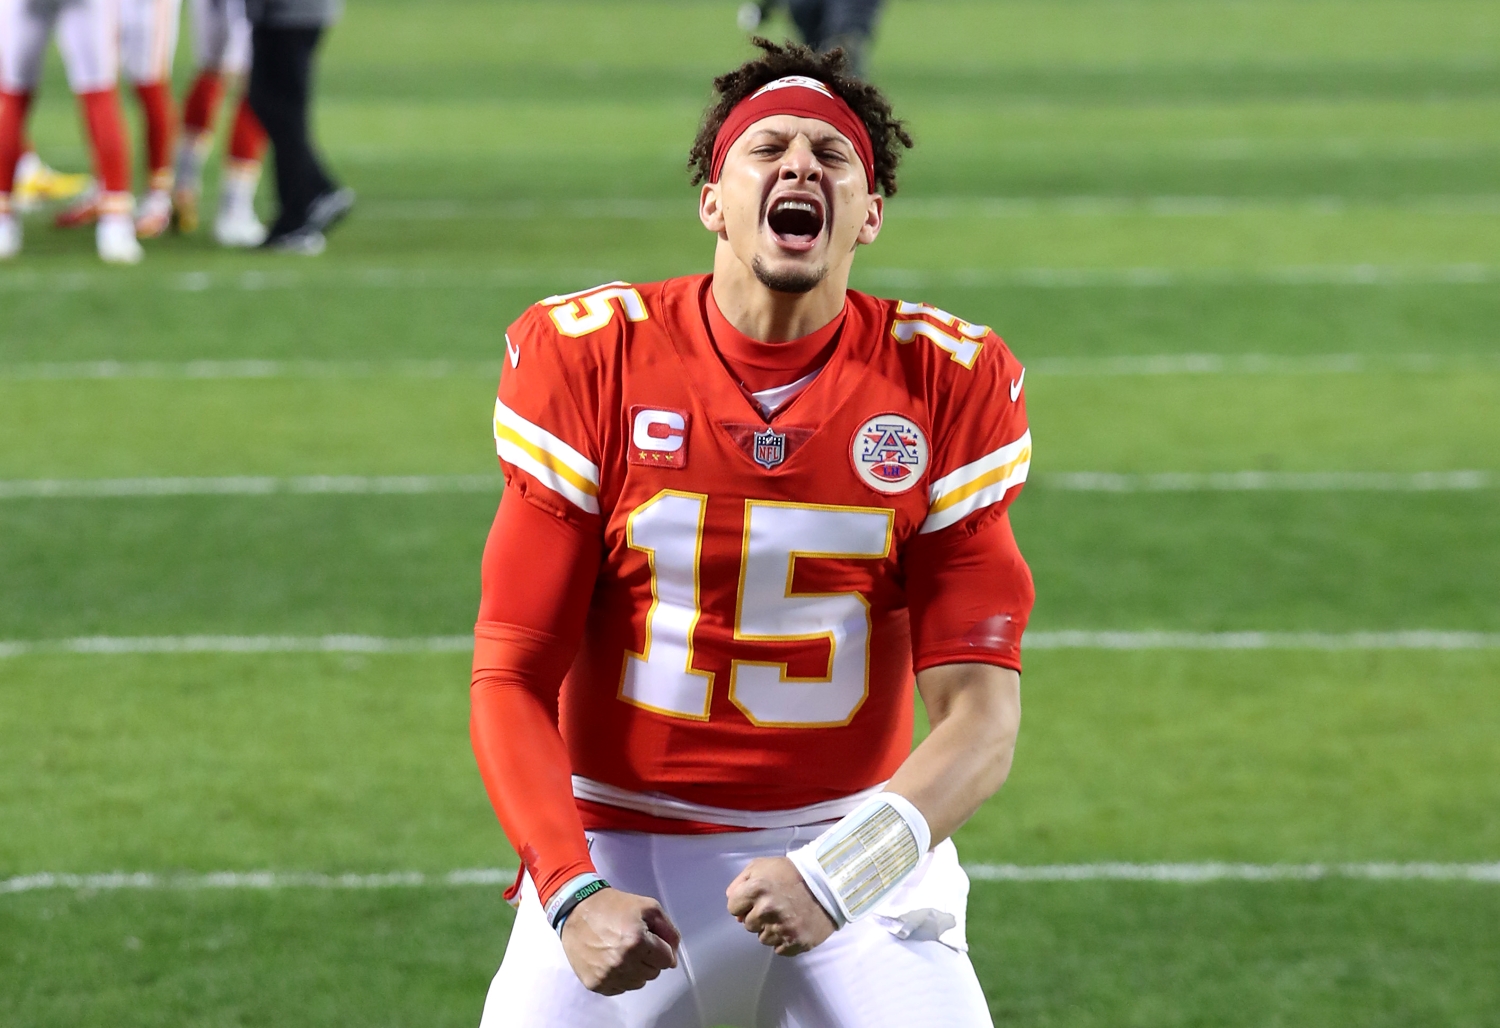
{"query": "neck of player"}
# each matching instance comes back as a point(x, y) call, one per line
point(765, 314)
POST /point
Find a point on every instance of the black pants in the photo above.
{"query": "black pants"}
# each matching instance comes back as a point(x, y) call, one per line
point(280, 84)
point(825, 24)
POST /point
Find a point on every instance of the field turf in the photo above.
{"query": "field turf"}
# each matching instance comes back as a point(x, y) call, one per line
point(1224, 236)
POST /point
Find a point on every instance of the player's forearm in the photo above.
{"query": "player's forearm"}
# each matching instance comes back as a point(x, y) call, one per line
point(975, 713)
point(523, 762)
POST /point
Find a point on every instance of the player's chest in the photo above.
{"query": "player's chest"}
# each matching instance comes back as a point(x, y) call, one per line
point(862, 445)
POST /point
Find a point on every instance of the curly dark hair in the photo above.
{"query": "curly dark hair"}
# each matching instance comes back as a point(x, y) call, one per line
point(887, 135)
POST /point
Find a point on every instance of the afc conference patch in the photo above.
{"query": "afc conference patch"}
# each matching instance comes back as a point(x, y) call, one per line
point(889, 453)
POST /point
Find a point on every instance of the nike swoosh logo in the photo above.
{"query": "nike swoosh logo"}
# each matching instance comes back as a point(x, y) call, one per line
point(1015, 387)
point(515, 354)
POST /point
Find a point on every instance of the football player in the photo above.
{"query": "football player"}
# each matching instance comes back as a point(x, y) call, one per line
point(221, 47)
point(87, 34)
point(744, 512)
point(148, 42)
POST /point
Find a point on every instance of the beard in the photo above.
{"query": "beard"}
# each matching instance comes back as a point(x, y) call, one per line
point(792, 280)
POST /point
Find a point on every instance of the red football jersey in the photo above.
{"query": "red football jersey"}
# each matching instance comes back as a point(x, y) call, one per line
point(747, 645)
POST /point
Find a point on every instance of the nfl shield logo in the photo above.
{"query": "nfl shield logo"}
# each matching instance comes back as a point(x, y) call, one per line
point(769, 448)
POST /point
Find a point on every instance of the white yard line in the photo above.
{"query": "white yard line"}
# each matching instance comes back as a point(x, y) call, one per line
point(1069, 481)
point(1186, 874)
point(1124, 365)
point(109, 646)
point(247, 485)
point(112, 646)
point(944, 208)
point(1268, 481)
point(1077, 639)
point(28, 281)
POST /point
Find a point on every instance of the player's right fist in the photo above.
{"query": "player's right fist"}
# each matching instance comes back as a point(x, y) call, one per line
point(617, 941)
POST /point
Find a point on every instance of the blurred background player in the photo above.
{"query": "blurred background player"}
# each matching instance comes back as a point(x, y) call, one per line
point(824, 24)
point(148, 42)
point(221, 49)
point(88, 36)
point(35, 182)
point(284, 40)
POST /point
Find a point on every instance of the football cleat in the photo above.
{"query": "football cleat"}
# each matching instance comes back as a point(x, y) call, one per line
point(10, 236)
point(114, 237)
point(84, 211)
point(36, 183)
point(239, 228)
point(185, 210)
point(155, 214)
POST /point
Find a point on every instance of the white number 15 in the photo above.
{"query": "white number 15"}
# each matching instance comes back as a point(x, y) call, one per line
point(668, 529)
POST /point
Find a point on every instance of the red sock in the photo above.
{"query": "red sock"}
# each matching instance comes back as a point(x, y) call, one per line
point(101, 110)
point(248, 141)
point(156, 104)
point(12, 135)
point(202, 102)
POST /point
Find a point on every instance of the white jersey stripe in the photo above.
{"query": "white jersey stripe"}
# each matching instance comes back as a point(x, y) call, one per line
point(978, 484)
point(659, 805)
point(553, 462)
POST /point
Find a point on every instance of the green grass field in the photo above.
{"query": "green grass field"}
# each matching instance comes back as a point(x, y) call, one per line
point(1295, 205)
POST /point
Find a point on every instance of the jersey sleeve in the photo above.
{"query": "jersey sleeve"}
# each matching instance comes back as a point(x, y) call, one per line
point(970, 596)
point(982, 451)
point(547, 443)
point(538, 573)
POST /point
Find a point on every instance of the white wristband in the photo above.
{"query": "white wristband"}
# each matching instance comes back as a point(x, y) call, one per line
point(858, 861)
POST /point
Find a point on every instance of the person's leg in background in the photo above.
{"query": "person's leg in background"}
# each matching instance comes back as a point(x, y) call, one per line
point(221, 51)
point(87, 35)
point(148, 41)
point(850, 24)
point(829, 24)
point(24, 31)
point(280, 88)
point(808, 16)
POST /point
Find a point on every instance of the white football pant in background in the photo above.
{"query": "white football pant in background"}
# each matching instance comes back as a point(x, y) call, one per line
point(88, 33)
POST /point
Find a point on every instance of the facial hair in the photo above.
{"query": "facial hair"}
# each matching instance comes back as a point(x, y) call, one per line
point(792, 280)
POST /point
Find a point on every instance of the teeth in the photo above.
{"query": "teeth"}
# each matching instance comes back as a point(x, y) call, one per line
point(796, 205)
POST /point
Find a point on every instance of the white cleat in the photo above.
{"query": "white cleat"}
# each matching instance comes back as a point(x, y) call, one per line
point(115, 238)
point(10, 236)
point(238, 228)
point(155, 214)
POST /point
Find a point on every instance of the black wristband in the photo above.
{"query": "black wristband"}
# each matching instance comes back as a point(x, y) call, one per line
point(583, 893)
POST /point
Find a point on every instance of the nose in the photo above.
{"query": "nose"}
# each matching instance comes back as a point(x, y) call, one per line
point(800, 164)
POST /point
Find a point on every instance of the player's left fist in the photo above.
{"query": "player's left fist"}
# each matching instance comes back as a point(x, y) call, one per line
point(770, 899)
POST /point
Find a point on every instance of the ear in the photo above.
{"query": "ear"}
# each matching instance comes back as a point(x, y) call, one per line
point(709, 211)
point(874, 218)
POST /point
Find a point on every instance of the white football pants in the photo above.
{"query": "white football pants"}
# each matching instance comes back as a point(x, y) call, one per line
point(148, 39)
point(864, 976)
point(221, 36)
point(88, 34)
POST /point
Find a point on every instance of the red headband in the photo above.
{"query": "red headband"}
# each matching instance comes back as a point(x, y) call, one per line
point(805, 98)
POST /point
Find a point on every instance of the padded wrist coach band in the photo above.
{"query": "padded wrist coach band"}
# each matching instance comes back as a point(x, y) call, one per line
point(862, 858)
point(574, 891)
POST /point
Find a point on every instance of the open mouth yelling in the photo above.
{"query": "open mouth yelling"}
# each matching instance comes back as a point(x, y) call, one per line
point(796, 222)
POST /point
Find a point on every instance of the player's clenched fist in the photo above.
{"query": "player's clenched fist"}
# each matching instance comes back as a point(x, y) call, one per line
point(770, 899)
point(617, 941)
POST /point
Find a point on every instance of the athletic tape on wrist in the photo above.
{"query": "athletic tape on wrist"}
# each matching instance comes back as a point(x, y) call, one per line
point(573, 892)
point(858, 861)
